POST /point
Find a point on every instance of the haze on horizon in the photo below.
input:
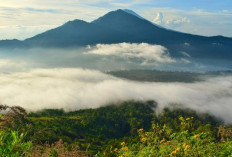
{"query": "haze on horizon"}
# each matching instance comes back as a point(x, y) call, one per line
point(18, 16)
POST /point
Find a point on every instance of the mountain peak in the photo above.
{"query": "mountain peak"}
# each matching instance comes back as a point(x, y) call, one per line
point(125, 12)
point(133, 13)
point(112, 14)
point(117, 11)
point(120, 16)
point(75, 22)
point(127, 21)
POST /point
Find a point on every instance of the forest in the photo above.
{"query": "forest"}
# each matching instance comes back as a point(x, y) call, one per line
point(128, 128)
point(167, 76)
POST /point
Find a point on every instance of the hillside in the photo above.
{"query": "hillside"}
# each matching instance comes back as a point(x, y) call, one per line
point(128, 129)
point(167, 76)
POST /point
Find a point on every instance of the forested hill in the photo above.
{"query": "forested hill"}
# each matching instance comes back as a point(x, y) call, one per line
point(126, 129)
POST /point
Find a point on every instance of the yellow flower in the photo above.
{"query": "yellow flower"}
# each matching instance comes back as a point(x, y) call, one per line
point(196, 136)
point(116, 149)
point(168, 141)
point(125, 148)
point(139, 130)
point(172, 152)
point(184, 144)
point(186, 147)
point(192, 117)
point(175, 151)
point(123, 143)
point(188, 118)
point(181, 118)
point(144, 139)
point(162, 140)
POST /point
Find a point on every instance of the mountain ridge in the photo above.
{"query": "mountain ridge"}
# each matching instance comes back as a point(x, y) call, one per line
point(126, 26)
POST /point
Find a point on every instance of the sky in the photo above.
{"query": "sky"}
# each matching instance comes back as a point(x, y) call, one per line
point(21, 19)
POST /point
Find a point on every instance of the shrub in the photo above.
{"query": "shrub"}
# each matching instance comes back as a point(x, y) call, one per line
point(12, 145)
point(162, 142)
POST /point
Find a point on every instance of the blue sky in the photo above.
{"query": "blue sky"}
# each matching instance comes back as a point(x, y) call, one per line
point(21, 19)
point(207, 5)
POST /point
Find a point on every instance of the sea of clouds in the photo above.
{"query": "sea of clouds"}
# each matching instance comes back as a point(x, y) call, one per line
point(76, 88)
point(144, 51)
point(61, 78)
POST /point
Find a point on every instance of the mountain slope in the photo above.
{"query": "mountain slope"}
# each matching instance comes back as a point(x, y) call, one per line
point(11, 43)
point(75, 33)
point(126, 26)
point(141, 30)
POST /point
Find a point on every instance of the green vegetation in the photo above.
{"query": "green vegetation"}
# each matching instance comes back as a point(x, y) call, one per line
point(92, 129)
point(162, 141)
point(127, 129)
point(166, 76)
point(158, 76)
point(12, 144)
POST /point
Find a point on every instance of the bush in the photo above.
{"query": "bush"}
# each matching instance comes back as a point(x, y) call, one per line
point(163, 141)
point(12, 145)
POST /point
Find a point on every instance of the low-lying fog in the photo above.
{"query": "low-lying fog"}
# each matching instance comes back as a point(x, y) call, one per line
point(76, 88)
point(36, 79)
point(103, 57)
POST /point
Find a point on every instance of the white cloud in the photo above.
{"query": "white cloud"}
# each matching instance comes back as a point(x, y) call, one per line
point(49, 14)
point(186, 44)
point(19, 31)
point(77, 89)
point(147, 52)
point(158, 19)
point(176, 22)
point(194, 21)
point(185, 54)
point(170, 22)
point(6, 64)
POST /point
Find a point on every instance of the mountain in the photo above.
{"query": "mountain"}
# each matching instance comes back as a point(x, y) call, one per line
point(76, 33)
point(127, 26)
point(10, 43)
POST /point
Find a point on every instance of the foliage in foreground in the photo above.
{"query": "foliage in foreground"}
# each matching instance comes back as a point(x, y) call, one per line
point(113, 131)
point(161, 141)
point(58, 149)
point(14, 129)
point(11, 144)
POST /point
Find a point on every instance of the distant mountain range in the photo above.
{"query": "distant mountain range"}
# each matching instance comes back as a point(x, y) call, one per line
point(126, 26)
